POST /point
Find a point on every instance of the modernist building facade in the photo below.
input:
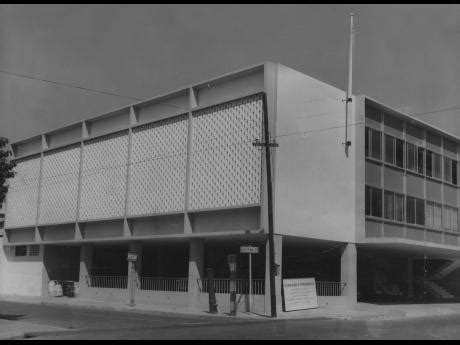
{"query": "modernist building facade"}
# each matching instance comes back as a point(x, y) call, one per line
point(177, 180)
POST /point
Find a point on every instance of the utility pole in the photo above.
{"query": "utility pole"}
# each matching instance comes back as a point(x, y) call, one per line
point(271, 242)
point(348, 99)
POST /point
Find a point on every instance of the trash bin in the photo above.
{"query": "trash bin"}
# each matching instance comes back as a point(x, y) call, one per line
point(54, 289)
point(69, 288)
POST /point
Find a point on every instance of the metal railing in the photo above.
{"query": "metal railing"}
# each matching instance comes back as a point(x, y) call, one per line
point(329, 288)
point(323, 288)
point(242, 286)
point(109, 282)
point(164, 284)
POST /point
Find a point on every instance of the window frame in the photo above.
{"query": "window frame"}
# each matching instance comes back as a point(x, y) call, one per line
point(430, 153)
point(447, 167)
point(371, 147)
point(369, 199)
point(402, 166)
point(16, 249)
point(393, 149)
point(408, 165)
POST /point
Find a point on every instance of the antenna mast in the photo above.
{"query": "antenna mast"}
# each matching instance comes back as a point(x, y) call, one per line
point(348, 99)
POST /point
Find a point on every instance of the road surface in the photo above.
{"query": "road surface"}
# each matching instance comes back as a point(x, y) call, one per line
point(85, 323)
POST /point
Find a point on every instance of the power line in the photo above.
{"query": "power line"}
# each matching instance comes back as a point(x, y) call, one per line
point(82, 88)
point(67, 85)
point(436, 111)
point(170, 104)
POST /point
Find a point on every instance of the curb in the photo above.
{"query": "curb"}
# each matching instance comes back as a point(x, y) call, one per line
point(149, 311)
point(86, 330)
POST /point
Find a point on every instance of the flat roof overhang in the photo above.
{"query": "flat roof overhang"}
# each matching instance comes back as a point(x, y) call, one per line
point(401, 247)
point(411, 119)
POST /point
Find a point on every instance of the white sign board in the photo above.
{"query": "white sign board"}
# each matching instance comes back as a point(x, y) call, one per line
point(249, 250)
point(132, 257)
point(300, 294)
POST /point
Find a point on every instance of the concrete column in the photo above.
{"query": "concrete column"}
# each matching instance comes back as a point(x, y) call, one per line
point(136, 247)
point(195, 271)
point(348, 272)
point(86, 261)
point(410, 278)
point(45, 276)
point(278, 240)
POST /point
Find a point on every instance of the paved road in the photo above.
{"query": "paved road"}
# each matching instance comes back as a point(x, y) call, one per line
point(99, 324)
point(77, 317)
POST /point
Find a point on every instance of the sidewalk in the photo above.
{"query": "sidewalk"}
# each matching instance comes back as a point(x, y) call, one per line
point(124, 307)
point(376, 312)
point(361, 311)
point(17, 329)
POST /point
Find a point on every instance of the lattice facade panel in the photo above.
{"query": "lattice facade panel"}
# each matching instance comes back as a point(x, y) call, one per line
point(158, 167)
point(225, 166)
point(22, 197)
point(59, 189)
point(104, 170)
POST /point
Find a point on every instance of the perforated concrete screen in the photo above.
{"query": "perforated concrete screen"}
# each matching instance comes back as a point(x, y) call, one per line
point(58, 199)
point(21, 208)
point(225, 167)
point(158, 166)
point(104, 177)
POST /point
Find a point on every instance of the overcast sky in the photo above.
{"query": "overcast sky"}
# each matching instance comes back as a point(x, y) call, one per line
point(407, 56)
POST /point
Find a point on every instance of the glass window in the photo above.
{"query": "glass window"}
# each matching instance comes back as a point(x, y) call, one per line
point(420, 159)
point(429, 214)
point(446, 217)
point(437, 216)
point(400, 153)
point(454, 172)
point(429, 163)
point(437, 165)
point(399, 207)
point(389, 149)
point(34, 250)
point(376, 206)
point(411, 157)
point(376, 144)
point(20, 251)
point(454, 218)
point(388, 205)
point(410, 210)
point(373, 113)
point(366, 142)
point(368, 201)
point(420, 211)
point(447, 169)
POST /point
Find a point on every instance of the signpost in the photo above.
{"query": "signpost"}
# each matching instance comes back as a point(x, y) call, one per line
point(211, 292)
point(250, 250)
point(300, 294)
point(132, 258)
point(232, 264)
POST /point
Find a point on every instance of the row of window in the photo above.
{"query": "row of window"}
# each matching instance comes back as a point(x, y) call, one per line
point(32, 250)
point(396, 206)
point(417, 158)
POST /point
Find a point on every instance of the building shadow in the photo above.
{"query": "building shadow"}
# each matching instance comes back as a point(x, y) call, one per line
point(12, 317)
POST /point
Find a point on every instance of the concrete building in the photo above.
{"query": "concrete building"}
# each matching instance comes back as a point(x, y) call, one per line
point(177, 180)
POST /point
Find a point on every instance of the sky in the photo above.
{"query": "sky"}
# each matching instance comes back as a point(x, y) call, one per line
point(407, 56)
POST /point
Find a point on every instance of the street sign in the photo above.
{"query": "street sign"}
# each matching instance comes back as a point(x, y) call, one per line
point(249, 250)
point(132, 257)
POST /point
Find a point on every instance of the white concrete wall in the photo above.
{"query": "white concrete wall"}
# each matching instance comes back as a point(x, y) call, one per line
point(20, 275)
point(314, 189)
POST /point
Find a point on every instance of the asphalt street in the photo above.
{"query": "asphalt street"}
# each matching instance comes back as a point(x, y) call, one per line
point(85, 323)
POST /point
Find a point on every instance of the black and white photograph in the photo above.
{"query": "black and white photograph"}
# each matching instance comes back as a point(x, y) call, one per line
point(229, 171)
